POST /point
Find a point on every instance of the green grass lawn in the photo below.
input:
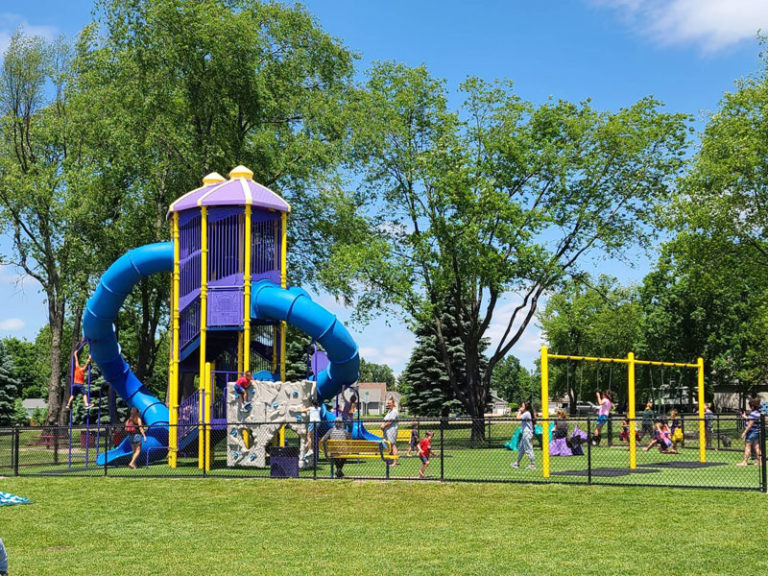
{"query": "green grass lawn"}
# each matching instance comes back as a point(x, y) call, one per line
point(105, 526)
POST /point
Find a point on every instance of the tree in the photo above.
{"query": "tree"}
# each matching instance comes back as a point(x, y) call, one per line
point(178, 89)
point(697, 305)
point(498, 202)
point(45, 173)
point(372, 372)
point(31, 363)
point(585, 319)
point(9, 388)
point(513, 382)
point(424, 382)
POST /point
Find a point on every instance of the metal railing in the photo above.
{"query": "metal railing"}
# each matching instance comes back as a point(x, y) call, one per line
point(462, 451)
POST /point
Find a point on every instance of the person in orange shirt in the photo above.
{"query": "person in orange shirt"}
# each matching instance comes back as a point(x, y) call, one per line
point(78, 383)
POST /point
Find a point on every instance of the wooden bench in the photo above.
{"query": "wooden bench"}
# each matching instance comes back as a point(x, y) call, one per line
point(48, 439)
point(358, 450)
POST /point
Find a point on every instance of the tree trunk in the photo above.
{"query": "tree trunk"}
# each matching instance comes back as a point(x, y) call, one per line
point(476, 391)
point(56, 391)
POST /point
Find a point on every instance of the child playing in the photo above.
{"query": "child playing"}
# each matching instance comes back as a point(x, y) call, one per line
point(606, 403)
point(314, 421)
point(413, 442)
point(662, 439)
point(676, 432)
point(241, 389)
point(425, 451)
point(624, 434)
point(709, 420)
point(78, 383)
point(646, 427)
point(751, 434)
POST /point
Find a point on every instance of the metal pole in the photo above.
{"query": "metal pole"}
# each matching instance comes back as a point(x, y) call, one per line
point(544, 413)
point(702, 430)
point(442, 450)
point(718, 431)
point(16, 452)
point(631, 411)
point(589, 451)
point(763, 474)
point(106, 445)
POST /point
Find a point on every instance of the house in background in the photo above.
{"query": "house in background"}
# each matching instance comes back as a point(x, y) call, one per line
point(373, 397)
point(32, 404)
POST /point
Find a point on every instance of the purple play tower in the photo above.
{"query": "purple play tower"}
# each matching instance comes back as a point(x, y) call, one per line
point(236, 229)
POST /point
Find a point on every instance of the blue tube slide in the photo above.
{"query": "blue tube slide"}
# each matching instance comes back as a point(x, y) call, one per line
point(98, 327)
point(294, 306)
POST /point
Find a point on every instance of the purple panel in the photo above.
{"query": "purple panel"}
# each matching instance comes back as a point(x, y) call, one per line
point(189, 272)
point(271, 275)
point(221, 212)
point(225, 307)
point(319, 362)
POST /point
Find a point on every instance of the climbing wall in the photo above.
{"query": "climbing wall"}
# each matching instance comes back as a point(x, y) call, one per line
point(270, 405)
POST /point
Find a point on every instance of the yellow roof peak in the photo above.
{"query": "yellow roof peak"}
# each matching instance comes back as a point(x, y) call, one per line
point(213, 178)
point(240, 172)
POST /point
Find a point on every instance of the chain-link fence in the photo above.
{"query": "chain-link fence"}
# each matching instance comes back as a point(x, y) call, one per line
point(668, 452)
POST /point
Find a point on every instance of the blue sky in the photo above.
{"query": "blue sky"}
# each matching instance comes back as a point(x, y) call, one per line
point(686, 53)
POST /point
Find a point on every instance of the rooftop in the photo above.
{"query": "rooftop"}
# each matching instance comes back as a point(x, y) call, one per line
point(239, 190)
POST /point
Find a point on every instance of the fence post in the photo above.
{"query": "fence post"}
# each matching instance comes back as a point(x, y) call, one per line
point(763, 477)
point(206, 435)
point(442, 450)
point(16, 451)
point(489, 433)
point(718, 431)
point(682, 427)
point(109, 432)
point(589, 451)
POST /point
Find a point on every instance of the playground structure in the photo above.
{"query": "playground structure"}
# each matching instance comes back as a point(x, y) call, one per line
point(230, 307)
point(631, 363)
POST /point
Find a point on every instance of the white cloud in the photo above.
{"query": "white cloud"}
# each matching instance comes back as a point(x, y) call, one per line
point(9, 23)
point(12, 324)
point(711, 24)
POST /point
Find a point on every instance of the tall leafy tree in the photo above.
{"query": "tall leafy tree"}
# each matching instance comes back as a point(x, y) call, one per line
point(513, 382)
point(372, 372)
point(45, 175)
point(591, 319)
point(497, 202)
point(180, 88)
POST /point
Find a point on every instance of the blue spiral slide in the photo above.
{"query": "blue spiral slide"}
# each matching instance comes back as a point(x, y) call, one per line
point(268, 302)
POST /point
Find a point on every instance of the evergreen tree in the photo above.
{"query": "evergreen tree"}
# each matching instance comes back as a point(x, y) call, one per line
point(425, 383)
point(297, 346)
point(9, 388)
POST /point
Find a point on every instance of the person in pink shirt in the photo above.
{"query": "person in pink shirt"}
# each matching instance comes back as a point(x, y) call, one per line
point(606, 404)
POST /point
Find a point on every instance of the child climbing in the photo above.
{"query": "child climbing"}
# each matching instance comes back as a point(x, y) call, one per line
point(241, 389)
point(606, 404)
point(751, 434)
point(78, 383)
point(425, 451)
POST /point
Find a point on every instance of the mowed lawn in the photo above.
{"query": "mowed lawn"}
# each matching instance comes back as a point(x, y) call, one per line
point(142, 526)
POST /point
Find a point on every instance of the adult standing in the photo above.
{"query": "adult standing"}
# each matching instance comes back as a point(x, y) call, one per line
point(527, 423)
point(389, 427)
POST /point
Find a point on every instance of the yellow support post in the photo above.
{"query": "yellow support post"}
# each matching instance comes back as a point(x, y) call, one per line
point(544, 412)
point(247, 292)
point(631, 411)
point(702, 424)
point(173, 369)
point(207, 414)
point(203, 330)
